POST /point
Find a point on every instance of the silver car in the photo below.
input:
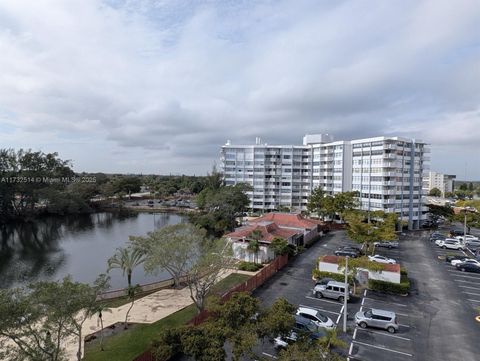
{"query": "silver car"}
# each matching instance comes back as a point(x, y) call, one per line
point(374, 317)
point(332, 289)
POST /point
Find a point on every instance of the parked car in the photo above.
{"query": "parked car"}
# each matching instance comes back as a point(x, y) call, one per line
point(468, 267)
point(323, 281)
point(451, 243)
point(350, 252)
point(472, 244)
point(437, 237)
point(386, 320)
point(467, 260)
point(316, 317)
point(450, 258)
point(386, 244)
point(332, 289)
point(381, 259)
point(303, 327)
point(466, 238)
point(456, 232)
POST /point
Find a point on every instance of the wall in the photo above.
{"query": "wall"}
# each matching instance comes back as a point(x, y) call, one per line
point(240, 252)
point(386, 276)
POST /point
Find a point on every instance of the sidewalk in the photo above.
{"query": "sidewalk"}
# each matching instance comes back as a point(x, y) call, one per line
point(148, 309)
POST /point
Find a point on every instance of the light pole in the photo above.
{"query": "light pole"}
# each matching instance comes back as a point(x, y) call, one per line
point(345, 297)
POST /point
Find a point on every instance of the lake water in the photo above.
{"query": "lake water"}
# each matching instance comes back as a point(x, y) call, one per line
point(54, 247)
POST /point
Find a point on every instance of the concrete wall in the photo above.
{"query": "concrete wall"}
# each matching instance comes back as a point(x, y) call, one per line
point(386, 276)
point(240, 252)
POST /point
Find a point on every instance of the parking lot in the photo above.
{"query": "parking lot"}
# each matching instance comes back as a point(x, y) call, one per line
point(466, 283)
point(436, 319)
point(376, 344)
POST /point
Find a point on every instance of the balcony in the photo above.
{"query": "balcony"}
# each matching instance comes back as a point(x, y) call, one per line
point(389, 156)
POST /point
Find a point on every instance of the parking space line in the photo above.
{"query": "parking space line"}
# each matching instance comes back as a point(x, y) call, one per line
point(268, 355)
point(474, 288)
point(385, 334)
point(320, 309)
point(322, 300)
point(400, 324)
point(471, 293)
point(383, 348)
point(473, 300)
point(339, 315)
point(469, 282)
point(391, 303)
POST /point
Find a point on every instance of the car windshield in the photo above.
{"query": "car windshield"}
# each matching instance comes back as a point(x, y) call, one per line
point(321, 317)
point(368, 313)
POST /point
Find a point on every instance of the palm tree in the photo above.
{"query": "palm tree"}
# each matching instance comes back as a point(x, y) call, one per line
point(126, 259)
point(254, 247)
point(99, 309)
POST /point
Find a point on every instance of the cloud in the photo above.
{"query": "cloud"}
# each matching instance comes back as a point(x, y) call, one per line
point(169, 81)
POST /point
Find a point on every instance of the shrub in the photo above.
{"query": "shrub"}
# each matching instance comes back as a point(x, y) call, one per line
point(249, 266)
point(403, 272)
point(340, 277)
point(401, 288)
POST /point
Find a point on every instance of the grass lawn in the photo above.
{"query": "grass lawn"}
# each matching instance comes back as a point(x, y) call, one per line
point(131, 343)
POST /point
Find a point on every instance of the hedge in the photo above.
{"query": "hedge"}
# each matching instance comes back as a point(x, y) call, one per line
point(340, 277)
point(249, 266)
point(401, 288)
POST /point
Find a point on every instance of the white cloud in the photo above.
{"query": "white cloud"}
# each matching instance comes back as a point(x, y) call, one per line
point(169, 81)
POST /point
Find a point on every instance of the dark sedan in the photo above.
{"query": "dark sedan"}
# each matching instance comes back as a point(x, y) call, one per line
point(468, 267)
point(350, 252)
point(450, 258)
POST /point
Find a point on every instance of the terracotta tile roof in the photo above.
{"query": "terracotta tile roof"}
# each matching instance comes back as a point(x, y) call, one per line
point(386, 267)
point(288, 220)
point(269, 231)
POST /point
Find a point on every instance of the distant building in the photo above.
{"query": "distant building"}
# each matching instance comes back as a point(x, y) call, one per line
point(444, 182)
point(386, 171)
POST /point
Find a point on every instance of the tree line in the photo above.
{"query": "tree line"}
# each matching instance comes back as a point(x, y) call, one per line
point(33, 183)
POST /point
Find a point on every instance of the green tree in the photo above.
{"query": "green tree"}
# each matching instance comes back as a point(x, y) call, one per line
point(435, 192)
point(315, 203)
point(277, 320)
point(279, 246)
point(214, 259)
point(204, 342)
point(38, 320)
point(126, 259)
point(172, 248)
point(344, 203)
point(254, 243)
point(99, 309)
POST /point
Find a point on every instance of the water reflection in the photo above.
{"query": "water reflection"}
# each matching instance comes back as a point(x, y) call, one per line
point(52, 247)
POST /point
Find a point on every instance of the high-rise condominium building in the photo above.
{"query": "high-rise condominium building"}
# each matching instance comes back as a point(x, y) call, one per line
point(386, 171)
point(443, 182)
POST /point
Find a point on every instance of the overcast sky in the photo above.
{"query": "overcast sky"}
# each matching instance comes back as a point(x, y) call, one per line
point(158, 86)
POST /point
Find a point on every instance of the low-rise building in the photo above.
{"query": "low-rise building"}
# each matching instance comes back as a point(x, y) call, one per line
point(294, 228)
point(390, 272)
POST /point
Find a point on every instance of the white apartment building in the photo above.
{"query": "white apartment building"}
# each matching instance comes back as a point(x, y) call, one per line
point(444, 182)
point(387, 172)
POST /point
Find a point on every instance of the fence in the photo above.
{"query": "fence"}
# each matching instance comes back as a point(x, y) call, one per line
point(249, 285)
point(155, 286)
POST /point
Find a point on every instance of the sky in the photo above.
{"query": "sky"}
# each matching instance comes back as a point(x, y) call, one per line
point(144, 86)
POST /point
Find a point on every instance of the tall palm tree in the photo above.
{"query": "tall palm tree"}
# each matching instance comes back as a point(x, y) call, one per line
point(254, 247)
point(254, 242)
point(98, 310)
point(126, 259)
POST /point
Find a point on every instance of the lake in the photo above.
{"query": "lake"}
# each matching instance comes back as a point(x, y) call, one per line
point(51, 248)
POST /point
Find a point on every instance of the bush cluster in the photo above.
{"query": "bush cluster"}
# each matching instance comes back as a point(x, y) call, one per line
point(249, 266)
point(317, 274)
point(401, 288)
